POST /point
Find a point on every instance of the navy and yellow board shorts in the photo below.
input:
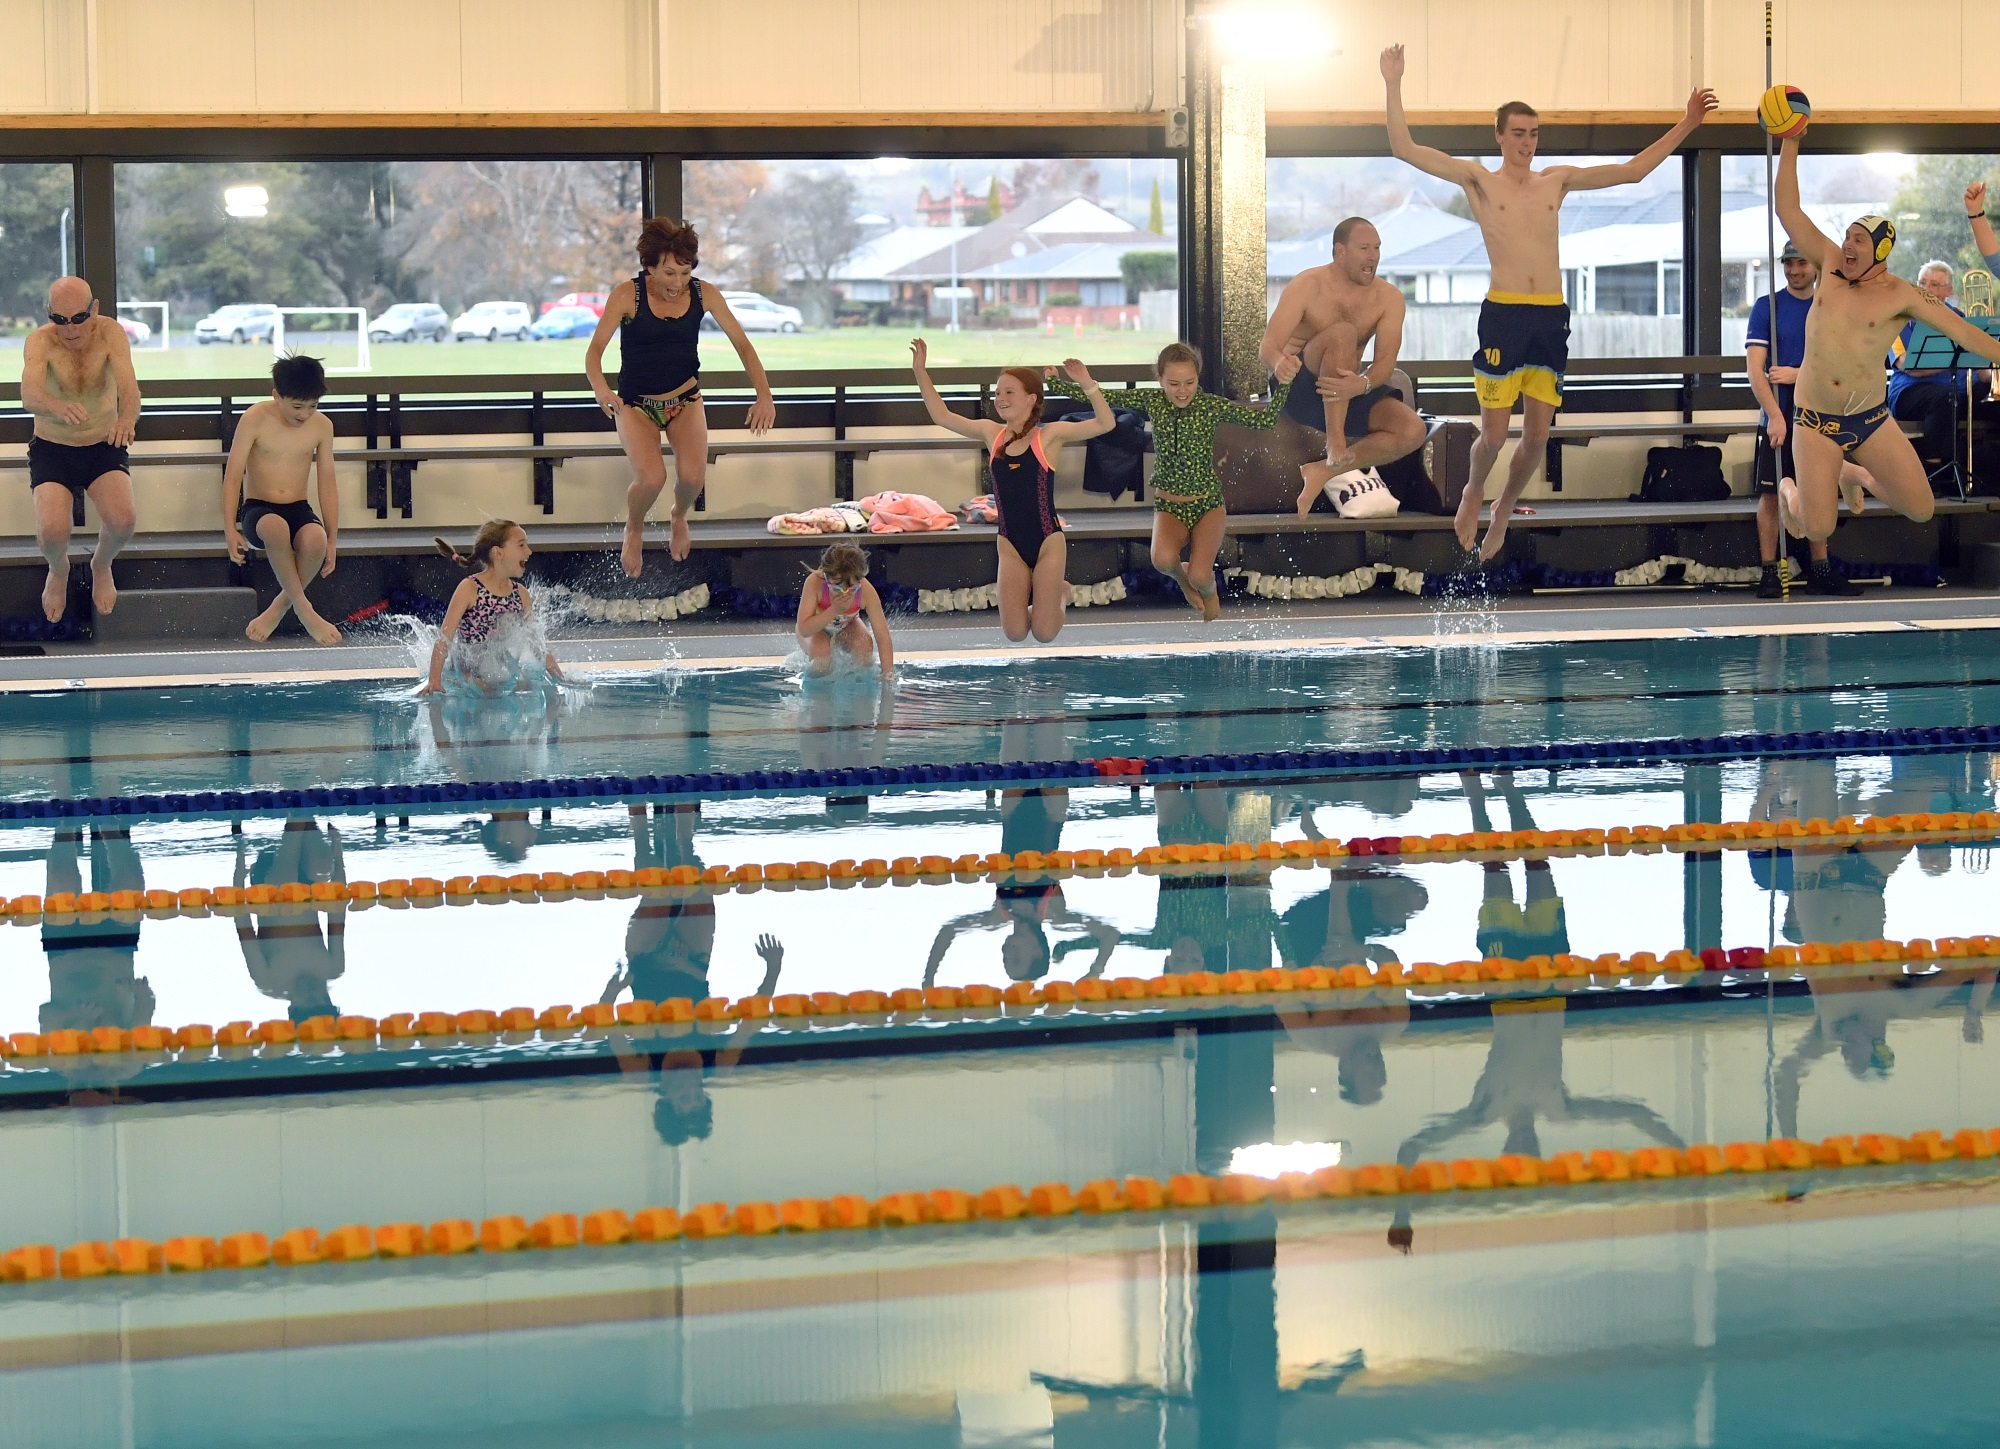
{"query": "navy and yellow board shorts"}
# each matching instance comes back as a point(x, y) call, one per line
point(1523, 348)
point(1540, 928)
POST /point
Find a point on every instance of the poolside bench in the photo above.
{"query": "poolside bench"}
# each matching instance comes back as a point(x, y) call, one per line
point(392, 486)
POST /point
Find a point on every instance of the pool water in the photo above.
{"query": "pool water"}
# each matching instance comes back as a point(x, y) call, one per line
point(1806, 1307)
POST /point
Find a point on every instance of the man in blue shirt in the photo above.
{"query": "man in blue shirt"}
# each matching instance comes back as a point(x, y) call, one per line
point(1933, 394)
point(1771, 379)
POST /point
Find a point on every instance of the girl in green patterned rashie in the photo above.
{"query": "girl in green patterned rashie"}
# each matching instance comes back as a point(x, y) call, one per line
point(1187, 496)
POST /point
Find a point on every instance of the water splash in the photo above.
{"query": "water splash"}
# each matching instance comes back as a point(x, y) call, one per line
point(509, 660)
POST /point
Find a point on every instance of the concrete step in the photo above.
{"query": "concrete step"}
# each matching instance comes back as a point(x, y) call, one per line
point(176, 614)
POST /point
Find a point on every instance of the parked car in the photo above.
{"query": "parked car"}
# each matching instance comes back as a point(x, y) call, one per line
point(135, 330)
point(492, 321)
point(565, 322)
point(411, 322)
point(758, 313)
point(239, 322)
point(593, 300)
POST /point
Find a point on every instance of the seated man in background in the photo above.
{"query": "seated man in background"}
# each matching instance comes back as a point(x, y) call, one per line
point(1935, 396)
point(1773, 366)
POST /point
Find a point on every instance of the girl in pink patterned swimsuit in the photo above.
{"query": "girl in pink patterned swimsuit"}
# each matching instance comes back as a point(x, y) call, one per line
point(487, 602)
point(838, 605)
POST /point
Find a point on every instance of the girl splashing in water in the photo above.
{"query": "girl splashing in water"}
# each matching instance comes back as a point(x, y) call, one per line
point(839, 606)
point(484, 624)
point(1021, 465)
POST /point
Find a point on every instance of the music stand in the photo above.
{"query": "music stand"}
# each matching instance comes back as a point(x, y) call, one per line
point(1930, 350)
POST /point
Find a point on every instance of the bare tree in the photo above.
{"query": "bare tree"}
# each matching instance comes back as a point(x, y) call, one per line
point(524, 230)
point(722, 204)
point(809, 220)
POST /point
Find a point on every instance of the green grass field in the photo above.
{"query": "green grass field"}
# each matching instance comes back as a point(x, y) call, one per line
point(836, 348)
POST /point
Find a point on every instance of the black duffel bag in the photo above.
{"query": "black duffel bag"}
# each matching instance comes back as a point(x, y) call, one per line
point(1688, 474)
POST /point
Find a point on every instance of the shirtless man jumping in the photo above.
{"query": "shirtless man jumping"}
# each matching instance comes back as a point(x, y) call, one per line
point(1840, 405)
point(1524, 322)
point(76, 378)
point(1325, 317)
point(279, 444)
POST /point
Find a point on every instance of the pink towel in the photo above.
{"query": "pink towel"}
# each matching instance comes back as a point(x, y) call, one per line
point(906, 513)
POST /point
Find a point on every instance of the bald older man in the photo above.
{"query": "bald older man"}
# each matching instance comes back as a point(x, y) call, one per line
point(76, 378)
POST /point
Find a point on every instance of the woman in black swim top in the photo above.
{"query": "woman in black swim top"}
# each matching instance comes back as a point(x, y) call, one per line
point(657, 316)
point(1021, 454)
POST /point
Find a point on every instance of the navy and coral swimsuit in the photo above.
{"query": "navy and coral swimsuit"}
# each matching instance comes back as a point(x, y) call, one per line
point(660, 356)
point(1024, 494)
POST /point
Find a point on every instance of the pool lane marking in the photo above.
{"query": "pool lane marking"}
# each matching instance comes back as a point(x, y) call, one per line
point(988, 653)
point(930, 726)
point(875, 1281)
point(1203, 645)
point(1468, 1225)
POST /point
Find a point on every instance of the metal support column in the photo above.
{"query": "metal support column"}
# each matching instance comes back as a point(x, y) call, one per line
point(1701, 270)
point(662, 185)
point(1701, 885)
point(97, 230)
point(1222, 214)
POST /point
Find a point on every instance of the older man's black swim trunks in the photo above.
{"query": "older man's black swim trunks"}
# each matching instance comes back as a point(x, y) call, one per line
point(74, 465)
point(1304, 405)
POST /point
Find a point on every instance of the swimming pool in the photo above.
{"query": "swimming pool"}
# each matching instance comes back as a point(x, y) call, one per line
point(1696, 1309)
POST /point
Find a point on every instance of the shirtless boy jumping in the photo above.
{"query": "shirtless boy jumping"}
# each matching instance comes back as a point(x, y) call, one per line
point(278, 442)
point(1524, 322)
point(76, 378)
point(1839, 406)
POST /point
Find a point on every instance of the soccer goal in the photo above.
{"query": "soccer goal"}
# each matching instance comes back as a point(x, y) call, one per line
point(326, 332)
point(157, 340)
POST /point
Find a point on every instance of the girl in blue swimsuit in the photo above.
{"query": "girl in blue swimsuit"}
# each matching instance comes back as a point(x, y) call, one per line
point(1021, 454)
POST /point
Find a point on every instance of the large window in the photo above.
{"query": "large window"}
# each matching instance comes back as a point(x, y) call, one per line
point(1621, 251)
point(842, 262)
point(37, 243)
point(1924, 195)
point(407, 254)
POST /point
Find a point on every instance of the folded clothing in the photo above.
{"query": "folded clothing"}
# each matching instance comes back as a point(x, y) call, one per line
point(818, 520)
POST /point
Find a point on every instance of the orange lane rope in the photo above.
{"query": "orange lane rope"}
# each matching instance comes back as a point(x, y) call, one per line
point(89, 907)
point(1307, 986)
point(1186, 1192)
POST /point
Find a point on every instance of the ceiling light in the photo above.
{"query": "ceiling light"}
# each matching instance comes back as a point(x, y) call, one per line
point(246, 201)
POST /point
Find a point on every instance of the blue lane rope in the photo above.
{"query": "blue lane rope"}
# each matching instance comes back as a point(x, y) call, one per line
point(641, 789)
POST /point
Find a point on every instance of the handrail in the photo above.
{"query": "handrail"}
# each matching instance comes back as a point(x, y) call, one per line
point(451, 384)
point(480, 383)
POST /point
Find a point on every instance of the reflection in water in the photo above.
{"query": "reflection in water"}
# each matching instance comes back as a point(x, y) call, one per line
point(1025, 908)
point(1537, 925)
point(1334, 927)
point(668, 946)
point(508, 737)
point(845, 724)
point(291, 956)
point(93, 975)
point(746, 719)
